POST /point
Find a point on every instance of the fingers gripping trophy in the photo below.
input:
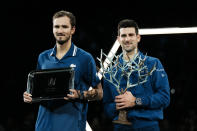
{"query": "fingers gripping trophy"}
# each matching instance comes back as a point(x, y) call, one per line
point(114, 72)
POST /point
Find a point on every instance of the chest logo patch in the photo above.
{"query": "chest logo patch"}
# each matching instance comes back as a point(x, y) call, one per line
point(72, 65)
point(162, 75)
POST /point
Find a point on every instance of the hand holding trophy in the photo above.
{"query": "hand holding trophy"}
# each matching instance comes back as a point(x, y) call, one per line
point(133, 72)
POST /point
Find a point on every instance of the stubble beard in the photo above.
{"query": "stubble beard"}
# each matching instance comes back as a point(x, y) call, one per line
point(61, 42)
point(129, 50)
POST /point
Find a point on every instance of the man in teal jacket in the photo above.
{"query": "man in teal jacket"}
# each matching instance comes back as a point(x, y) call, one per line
point(145, 101)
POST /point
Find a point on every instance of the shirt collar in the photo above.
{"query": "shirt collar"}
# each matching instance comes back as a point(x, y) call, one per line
point(71, 52)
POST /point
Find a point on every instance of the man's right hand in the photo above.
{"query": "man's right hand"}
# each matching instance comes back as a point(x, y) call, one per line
point(126, 100)
point(27, 97)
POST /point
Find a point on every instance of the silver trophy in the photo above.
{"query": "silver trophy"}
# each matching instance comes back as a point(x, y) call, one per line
point(116, 71)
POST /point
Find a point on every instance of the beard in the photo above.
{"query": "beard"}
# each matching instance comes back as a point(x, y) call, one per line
point(61, 42)
point(129, 50)
point(129, 46)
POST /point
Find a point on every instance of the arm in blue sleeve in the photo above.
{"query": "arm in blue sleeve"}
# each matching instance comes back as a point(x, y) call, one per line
point(161, 90)
point(108, 101)
point(38, 67)
point(91, 74)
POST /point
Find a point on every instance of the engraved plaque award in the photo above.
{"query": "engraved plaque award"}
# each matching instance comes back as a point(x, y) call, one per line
point(50, 84)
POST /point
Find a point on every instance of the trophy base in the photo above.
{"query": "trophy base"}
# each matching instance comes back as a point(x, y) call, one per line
point(122, 122)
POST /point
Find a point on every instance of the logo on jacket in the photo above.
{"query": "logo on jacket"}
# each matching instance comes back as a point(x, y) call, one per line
point(162, 75)
point(72, 65)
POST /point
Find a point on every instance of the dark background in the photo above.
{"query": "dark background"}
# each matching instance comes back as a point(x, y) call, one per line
point(26, 31)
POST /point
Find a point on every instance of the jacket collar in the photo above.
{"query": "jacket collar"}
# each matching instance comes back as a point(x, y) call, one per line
point(71, 52)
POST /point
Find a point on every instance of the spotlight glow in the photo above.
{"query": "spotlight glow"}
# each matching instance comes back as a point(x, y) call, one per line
point(174, 30)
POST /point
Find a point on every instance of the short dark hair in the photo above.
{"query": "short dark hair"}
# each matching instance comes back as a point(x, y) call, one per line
point(128, 23)
point(63, 13)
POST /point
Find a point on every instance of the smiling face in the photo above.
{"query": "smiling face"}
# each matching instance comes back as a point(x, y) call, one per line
point(62, 29)
point(128, 39)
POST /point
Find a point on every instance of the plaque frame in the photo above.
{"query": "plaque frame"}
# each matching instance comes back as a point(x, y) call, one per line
point(48, 84)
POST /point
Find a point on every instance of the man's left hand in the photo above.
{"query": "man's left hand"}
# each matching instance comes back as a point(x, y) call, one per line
point(74, 94)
